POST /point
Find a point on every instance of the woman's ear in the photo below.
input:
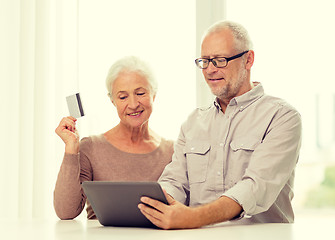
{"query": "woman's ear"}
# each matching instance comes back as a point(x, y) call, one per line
point(112, 101)
point(111, 98)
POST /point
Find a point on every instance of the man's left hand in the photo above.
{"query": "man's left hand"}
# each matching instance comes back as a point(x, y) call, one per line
point(173, 216)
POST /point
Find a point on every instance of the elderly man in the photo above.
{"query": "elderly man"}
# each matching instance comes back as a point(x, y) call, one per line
point(234, 160)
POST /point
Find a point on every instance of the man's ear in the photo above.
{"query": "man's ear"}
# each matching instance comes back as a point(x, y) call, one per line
point(250, 59)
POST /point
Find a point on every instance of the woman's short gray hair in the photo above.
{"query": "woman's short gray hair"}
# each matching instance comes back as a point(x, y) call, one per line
point(130, 64)
point(240, 33)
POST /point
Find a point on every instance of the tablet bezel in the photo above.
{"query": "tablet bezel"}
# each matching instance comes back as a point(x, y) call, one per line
point(115, 203)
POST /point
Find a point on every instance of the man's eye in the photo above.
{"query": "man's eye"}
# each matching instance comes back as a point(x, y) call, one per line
point(221, 60)
point(123, 97)
point(140, 93)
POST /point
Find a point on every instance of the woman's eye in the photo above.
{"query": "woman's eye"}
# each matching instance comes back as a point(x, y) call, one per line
point(123, 97)
point(140, 93)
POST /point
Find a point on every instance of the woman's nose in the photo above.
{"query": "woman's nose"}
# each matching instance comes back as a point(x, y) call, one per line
point(133, 102)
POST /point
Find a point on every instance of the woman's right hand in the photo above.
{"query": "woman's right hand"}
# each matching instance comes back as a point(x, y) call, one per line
point(66, 130)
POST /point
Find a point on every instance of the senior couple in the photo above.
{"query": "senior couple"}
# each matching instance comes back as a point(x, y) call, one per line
point(233, 161)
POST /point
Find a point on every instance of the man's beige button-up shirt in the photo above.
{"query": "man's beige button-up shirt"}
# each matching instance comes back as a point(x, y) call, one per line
point(248, 154)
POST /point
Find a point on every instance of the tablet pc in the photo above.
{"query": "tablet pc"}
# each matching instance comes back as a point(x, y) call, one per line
point(116, 203)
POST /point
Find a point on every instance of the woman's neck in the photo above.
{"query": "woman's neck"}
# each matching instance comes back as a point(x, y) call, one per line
point(135, 140)
point(133, 135)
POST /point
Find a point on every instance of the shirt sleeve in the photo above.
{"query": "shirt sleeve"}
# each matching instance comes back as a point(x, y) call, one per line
point(69, 198)
point(271, 166)
point(174, 178)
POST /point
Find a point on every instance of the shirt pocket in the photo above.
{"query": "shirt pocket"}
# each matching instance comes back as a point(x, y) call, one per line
point(197, 158)
point(244, 144)
point(241, 153)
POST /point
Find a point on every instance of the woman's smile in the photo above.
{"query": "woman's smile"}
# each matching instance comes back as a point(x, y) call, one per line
point(135, 114)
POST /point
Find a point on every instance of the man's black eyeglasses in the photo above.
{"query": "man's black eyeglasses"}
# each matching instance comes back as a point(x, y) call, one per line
point(219, 62)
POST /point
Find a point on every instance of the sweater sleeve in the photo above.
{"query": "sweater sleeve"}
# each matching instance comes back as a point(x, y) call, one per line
point(69, 197)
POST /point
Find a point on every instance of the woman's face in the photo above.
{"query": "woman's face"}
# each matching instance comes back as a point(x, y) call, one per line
point(133, 98)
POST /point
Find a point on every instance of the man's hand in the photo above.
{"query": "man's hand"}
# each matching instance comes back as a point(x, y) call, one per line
point(177, 215)
point(173, 216)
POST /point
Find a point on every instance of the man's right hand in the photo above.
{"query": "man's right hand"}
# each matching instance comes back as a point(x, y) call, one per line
point(66, 130)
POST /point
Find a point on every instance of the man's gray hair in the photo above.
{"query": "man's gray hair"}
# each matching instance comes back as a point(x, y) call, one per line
point(241, 35)
point(130, 64)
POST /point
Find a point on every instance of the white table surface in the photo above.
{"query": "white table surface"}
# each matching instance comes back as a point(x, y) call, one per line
point(304, 228)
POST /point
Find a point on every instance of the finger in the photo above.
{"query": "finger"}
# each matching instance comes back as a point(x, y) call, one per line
point(151, 214)
point(67, 120)
point(72, 118)
point(158, 205)
point(66, 126)
point(70, 127)
point(150, 211)
point(70, 133)
point(154, 221)
point(168, 197)
point(68, 123)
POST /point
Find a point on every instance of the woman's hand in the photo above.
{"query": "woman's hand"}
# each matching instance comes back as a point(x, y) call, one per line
point(66, 130)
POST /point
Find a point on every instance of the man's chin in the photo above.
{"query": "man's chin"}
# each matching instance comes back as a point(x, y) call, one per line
point(220, 93)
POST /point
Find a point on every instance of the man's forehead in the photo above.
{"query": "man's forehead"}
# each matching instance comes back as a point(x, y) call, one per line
point(219, 43)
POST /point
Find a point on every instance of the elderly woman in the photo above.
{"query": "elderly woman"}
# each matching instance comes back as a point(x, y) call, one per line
point(130, 151)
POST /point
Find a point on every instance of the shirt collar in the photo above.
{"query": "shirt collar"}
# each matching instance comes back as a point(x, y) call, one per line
point(246, 99)
point(217, 104)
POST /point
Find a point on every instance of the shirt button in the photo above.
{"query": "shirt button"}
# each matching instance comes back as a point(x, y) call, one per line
point(221, 144)
point(219, 173)
point(192, 148)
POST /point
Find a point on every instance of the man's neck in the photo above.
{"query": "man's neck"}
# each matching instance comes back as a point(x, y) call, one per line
point(225, 101)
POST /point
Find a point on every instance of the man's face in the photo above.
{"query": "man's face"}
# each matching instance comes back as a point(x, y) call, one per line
point(225, 83)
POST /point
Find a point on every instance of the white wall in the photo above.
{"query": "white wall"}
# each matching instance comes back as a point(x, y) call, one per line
point(160, 32)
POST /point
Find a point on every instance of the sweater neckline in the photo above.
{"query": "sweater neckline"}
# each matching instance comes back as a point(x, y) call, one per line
point(123, 152)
